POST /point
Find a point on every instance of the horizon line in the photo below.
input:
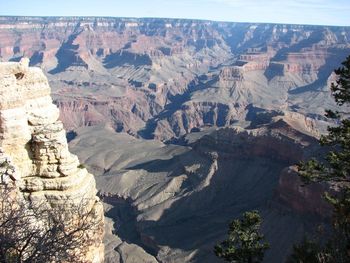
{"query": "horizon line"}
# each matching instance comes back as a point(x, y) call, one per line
point(174, 18)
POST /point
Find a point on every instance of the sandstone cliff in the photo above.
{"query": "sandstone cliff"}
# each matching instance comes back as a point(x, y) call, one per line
point(34, 139)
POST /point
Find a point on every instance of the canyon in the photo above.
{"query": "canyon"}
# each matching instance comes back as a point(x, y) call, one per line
point(186, 124)
point(161, 78)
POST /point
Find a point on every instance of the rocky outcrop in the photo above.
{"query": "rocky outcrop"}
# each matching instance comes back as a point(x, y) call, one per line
point(231, 73)
point(33, 137)
point(279, 141)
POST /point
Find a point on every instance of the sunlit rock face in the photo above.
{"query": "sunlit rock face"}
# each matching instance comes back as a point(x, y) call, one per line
point(34, 139)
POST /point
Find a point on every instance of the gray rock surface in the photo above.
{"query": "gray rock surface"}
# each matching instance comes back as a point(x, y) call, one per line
point(175, 201)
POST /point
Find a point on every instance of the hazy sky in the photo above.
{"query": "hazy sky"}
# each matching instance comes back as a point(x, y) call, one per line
point(324, 12)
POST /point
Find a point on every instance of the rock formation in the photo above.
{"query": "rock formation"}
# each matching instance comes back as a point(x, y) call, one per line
point(34, 139)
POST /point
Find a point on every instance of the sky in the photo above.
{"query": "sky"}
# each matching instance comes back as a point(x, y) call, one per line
point(318, 12)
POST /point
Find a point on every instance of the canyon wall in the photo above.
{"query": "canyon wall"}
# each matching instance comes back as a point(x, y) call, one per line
point(161, 78)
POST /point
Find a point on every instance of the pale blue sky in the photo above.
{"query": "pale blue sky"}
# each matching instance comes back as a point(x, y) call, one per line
point(322, 12)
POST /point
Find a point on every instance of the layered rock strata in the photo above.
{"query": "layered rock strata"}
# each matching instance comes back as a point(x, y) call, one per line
point(160, 78)
point(34, 139)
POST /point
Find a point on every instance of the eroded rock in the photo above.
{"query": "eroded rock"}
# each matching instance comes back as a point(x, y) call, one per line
point(34, 139)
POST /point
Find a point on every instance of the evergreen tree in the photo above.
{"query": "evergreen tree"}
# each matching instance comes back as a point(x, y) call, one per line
point(244, 243)
point(334, 169)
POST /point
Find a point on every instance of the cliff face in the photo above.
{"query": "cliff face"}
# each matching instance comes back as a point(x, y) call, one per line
point(33, 137)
